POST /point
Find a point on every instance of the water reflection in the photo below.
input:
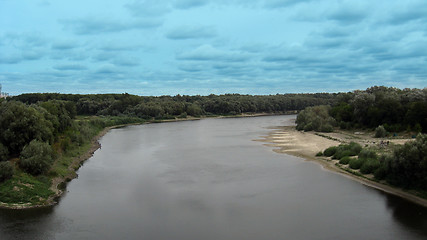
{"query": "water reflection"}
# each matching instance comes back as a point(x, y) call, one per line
point(410, 215)
point(19, 224)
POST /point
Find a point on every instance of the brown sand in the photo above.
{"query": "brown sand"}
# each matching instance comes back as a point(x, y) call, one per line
point(306, 144)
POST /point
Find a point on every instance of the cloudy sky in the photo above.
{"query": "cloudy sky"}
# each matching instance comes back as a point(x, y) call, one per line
point(158, 47)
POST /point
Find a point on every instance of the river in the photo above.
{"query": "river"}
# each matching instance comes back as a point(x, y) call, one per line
point(207, 180)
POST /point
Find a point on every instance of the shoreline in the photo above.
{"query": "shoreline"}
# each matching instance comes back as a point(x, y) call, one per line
point(306, 144)
point(59, 184)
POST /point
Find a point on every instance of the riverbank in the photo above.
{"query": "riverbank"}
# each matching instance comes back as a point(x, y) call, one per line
point(307, 144)
point(68, 165)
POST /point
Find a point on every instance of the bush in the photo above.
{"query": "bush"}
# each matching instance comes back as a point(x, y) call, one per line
point(369, 166)
point(368, 153)
point(6, 171)
point(36, 158)
point(319, 154)
point(343, 150)
point(345, 160)
point(4, 153)
point(356, 163)
point(342, 153)
point(380, 173)
point(330, 151)
point(326, 128)
point(355, 148)
point(380, 132)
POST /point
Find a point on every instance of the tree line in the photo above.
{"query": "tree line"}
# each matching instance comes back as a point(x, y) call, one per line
point(394, 109)
point(165, 106)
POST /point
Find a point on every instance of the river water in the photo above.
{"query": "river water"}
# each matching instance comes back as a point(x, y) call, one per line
point(208, 180)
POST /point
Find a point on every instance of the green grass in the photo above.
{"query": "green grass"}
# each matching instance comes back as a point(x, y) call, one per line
point(60, 167)
point(23, 188)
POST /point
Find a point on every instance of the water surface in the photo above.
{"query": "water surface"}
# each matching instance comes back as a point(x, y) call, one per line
point(208, 180)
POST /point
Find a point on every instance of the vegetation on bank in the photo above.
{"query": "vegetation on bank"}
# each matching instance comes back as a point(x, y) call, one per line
point(42, 134)
point(405, 166)
point(388, 112)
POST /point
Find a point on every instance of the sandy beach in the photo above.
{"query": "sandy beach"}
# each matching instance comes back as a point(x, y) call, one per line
point(306, 144)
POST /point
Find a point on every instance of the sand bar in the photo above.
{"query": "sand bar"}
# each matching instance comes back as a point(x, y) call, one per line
point(306, 144)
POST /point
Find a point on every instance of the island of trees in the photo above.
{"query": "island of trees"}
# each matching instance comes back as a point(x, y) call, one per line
point(42, 133)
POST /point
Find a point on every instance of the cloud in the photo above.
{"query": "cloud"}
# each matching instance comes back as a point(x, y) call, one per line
point(283, 3)
point(148, 8)
point(107, 69)
point(408, 13)
point(120, 47)
point(187, 4)
point(191, 32)
point(10, 59)
point(32, 55)
point(92, 26)
point(24, 40)
point(126, 62)
point(348, 15)
point(192, 67)
point(209, 53)
point(16, 58)
point(70, 67)
point(64, 45)
point(103, 56)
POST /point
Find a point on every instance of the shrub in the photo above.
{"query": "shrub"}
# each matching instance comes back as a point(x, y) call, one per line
point(345, 160)
point(330, 151)
point(4, 153)
point(319, 154)
point(36, 158)
point(326, 128)
point(368, 153)
point(351, 149)
point(356, 163)
point(355, 148)
point(380, 173)
point(380, 132)
point(369, 166)
point(342, 153)
point(6, 171)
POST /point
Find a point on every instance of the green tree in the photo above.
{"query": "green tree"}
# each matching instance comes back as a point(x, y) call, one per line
point(6, 171)
point(315, 118)
point(4, 153)
point(380, 132)
point(20, 124)
point(59, 110)
point(36, 157)
point(408, 165)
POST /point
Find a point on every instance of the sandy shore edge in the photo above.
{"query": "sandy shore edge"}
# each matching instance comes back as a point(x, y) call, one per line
point(306, 144)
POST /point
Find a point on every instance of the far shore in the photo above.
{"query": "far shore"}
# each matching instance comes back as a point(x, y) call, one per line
point(307, 144)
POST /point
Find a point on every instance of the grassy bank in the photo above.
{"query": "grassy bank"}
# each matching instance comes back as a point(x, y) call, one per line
point(71, 149)
point(24, 190)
